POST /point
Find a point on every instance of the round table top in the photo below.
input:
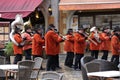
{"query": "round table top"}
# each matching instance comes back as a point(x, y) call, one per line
point(119, 65)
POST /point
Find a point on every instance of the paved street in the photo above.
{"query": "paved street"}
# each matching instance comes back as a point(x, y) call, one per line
point(69, 73)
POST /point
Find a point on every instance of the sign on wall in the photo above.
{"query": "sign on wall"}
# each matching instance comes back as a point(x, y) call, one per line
point(74, 23)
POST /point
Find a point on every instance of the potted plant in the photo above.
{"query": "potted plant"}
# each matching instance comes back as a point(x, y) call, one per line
point(9, 51)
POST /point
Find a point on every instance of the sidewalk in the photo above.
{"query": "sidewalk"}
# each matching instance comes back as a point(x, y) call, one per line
point(69, 73)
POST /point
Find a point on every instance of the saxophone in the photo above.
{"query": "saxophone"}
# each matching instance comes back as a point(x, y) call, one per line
point(17, 22)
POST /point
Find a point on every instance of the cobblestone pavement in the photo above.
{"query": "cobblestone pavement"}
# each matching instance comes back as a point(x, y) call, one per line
point(69, 73)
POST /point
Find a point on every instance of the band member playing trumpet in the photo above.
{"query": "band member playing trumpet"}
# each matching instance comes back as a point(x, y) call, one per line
point(106, 41)
point(37, 43)
point(69, 48)
point(28, 45)
point(115, 43)
point(79, 47)
point(52, 40)
point(95, 36)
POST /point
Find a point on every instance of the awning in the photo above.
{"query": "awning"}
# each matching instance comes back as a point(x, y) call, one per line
point(9, 8)
point(89, 4)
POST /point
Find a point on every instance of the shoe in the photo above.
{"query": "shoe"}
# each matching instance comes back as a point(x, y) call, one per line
point(58, 67)
point(42, 68)
point(77, 69)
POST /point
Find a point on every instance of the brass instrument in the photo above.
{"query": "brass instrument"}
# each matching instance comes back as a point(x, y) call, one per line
point(97, 37)
point(17, 22)
point(90, 38)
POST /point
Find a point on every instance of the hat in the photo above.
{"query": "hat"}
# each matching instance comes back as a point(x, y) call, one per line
point(27, 27)
point(117, 28)
point(104, 28)
point(92, 29)
point(80, 28)
point(51, 26)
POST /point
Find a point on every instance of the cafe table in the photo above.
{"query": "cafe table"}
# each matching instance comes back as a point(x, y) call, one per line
point(105, 74)
point(119, 66)
point(9, 67)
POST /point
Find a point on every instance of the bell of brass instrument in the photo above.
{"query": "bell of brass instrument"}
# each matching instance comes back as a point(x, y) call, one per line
point(17, 22)
point(86, 35)
point(97, 37)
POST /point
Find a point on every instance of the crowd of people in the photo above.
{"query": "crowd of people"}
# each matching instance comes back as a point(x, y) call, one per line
point(74, 45)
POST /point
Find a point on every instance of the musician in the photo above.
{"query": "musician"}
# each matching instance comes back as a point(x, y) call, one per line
point(69, 48)
point(94, 47)
point(105, 42)
point(28, 45)
point(57, 64)
point(18, 51)
point(37, 43)
point(51, 47)
point(115, 43)
point(79, 47)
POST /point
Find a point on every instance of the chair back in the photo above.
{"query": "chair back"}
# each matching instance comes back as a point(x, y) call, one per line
point(2, 60)
point(106, 65)
point(36, 68)
point(51, 75)
point(25, 69)
point(92, 67)
point(84, 60)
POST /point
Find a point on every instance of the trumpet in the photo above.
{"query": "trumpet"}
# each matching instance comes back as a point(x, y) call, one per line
point(86, 35)
point(63, 37)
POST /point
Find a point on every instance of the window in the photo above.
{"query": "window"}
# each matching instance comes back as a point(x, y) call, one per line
point(4, 31)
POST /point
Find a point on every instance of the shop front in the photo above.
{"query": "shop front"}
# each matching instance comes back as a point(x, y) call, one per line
point(88, 13)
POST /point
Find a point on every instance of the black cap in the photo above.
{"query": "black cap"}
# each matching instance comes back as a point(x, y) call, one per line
point(117, 28)
point(104, 28)
point(51, 26)
point(81, 28)
point(27, 27)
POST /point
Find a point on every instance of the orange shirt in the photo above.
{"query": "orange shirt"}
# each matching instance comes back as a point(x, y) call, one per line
point(79, 43)
point(106, 42)
point(92, 45)
point(52, 43)
point(69, 43)
point(28, 41)
point(18, 39)
point(115, 44)
point(37, 44)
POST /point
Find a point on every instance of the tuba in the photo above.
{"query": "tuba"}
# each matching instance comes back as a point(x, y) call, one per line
point(17, 22)
point(26, 23)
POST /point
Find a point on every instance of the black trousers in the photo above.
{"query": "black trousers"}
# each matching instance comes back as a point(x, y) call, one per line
point(27, 54)
point(77, 60)
point(69, 59)
point(115, 59)
point(94, 53)
point(51, 65)
point(18, 57)
point(57, 60)
point(105, 54)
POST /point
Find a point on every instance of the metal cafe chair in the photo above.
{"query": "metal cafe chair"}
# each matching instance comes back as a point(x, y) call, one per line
point(36, 68)
point(2, 72)
point(92, 67)
point(51, 75)
point(24, 70)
